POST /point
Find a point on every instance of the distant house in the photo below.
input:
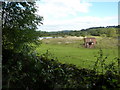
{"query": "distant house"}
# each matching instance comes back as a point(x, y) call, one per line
point(89, 42)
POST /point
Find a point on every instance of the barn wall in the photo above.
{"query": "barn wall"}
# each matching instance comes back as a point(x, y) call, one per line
point(88, 42)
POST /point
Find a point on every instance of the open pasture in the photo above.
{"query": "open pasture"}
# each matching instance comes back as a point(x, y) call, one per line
point(71, 50)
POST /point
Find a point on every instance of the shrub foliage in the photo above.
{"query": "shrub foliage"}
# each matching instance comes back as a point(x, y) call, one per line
point(40, 72)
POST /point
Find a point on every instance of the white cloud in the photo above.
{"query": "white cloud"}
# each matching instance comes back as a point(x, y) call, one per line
point(63, 15)
point(61, 8)
point(79, 23)
point(54, 11)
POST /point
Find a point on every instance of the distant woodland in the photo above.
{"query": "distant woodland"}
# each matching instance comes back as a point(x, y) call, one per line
point(109, 31)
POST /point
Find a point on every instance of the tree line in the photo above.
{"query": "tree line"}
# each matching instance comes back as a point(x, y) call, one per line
point(109, 31)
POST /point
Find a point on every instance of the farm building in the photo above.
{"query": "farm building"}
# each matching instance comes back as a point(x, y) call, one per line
point(89, 42)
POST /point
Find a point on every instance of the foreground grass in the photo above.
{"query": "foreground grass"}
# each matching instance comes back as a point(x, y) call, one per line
point(70, 50)
point(81, 57)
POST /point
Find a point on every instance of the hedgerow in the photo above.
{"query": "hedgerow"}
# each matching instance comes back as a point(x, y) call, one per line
point(40, 72)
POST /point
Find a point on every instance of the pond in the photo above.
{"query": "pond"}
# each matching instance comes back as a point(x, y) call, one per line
point(40, 38)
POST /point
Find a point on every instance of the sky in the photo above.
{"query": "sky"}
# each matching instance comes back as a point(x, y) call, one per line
point(76, 14)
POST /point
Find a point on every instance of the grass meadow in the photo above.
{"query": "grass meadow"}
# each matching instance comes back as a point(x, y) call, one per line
point(71, 50)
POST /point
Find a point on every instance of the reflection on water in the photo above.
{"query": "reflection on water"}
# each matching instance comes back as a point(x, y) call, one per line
point(40, 38)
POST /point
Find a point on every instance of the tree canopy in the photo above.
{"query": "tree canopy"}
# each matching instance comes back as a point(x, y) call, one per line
point(109, 31)
point(19, 24)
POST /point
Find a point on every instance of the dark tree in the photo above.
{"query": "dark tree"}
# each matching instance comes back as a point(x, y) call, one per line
point(19, 24)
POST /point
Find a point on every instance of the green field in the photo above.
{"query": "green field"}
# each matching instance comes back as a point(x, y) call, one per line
point(74, 53)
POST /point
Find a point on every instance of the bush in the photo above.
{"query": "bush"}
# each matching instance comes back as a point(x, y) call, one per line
point(41, 72)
